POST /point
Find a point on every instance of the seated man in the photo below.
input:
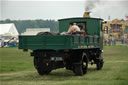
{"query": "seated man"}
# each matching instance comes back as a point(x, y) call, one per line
point(73, 28)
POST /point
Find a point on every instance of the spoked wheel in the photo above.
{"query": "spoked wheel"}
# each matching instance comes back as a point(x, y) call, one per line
point(43, 66)
point(81, 68)
point(99, 64)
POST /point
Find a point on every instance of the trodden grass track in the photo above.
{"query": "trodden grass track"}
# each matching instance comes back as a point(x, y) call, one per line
point(16, 68)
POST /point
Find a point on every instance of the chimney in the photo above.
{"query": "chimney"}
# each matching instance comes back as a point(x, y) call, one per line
point(86, 14)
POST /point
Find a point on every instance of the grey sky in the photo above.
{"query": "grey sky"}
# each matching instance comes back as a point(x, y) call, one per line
point(32, 9)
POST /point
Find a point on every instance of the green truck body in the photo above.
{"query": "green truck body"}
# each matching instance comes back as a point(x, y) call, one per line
point(74, 51)
point(56, 42)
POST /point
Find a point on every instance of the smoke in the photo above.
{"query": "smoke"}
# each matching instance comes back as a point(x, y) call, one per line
point(114, 9)
point(91, 4)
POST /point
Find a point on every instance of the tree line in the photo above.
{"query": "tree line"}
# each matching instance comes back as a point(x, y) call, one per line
point(22, 25)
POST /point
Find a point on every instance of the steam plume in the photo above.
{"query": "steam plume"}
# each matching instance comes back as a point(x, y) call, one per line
point(90, 4)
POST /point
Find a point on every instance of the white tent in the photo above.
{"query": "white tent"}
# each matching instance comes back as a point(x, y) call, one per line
point(8, 30)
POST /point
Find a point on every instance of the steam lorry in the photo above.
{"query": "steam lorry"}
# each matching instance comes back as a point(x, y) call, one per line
point(74, 52)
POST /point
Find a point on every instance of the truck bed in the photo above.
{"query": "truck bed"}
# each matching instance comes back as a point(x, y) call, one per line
point(58, 42)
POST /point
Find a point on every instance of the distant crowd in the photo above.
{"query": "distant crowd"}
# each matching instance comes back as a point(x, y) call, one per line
point(112, 41)
point(9, 42)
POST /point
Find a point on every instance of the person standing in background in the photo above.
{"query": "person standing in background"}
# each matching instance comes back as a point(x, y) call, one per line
point(105, 41)
point(113, 40)
point(110, 40)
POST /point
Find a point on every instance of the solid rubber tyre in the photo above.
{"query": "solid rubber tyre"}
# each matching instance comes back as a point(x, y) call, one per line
point(81, 69)
point(99, 64)
point(41, 66)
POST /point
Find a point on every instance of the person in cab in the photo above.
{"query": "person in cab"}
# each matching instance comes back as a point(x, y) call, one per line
point(73, 28)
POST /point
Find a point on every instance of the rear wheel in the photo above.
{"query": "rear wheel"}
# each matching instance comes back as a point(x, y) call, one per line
point(81, 68)
point(78, 69)
point(43, 66)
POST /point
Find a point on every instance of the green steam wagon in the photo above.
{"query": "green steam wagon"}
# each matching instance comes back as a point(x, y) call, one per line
point(74, 52)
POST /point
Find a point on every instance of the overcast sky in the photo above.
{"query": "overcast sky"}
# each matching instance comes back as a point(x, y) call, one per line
point(58, 9)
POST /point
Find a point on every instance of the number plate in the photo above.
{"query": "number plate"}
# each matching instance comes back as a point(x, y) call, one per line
point(56, 58)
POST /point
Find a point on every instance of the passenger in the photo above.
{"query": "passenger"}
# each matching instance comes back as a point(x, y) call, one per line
point(83, 31)
point(73, 28)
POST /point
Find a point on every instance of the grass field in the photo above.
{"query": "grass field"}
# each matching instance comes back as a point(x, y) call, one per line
point(16, 68)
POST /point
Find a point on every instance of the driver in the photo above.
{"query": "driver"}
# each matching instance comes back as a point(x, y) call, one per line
point(73, 28)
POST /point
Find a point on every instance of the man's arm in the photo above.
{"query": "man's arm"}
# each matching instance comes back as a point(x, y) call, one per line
point(70, 30)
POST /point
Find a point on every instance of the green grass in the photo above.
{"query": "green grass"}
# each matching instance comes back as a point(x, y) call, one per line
point(16, 68)
point(13, 59)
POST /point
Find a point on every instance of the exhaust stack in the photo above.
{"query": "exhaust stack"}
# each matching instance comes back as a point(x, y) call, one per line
point(86, 14)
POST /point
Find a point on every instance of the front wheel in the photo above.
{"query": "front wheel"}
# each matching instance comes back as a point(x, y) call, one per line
point(99, 64)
